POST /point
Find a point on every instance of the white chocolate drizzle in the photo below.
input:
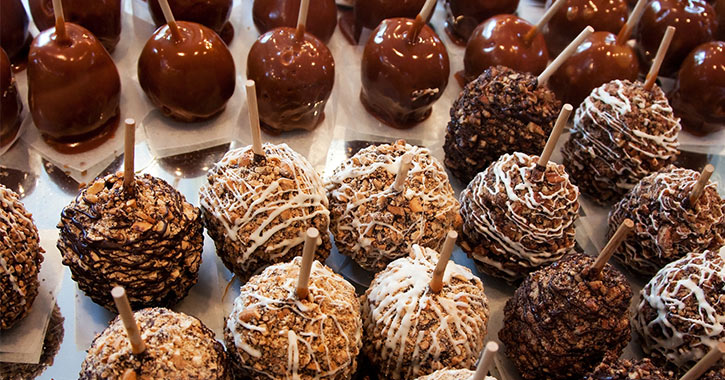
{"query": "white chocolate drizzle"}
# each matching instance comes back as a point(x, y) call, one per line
point(689, 318)
point(513, 179)
point(237, 202)
point(313, 321)
point(399, 303)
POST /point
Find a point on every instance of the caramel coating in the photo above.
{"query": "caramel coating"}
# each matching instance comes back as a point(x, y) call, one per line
point(101, 17)
point(575, 15)
point(213, 14)
point(14, 22)
point(11, 106)
point(462, 16)
point(321, 19)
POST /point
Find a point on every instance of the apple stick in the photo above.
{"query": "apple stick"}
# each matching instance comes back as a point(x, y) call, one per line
point(701, 183)
point(405, 165)
point(308, 255)
point(633, 19)
point(564, 55)
point(302, 19)
point(484, 363)
point(622, 232)
point(254, 118)
point(436, 283)
point(421, 19)
point(129, 144)
point(124, 310)
point(707, 361)
point(543, 20)
point(657, 63)
point(555, 133)
point(169, 16)
point(60, 32)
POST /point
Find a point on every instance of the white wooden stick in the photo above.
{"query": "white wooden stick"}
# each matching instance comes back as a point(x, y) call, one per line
point(632, 21)
point(427, 9)
point(124, 310)
point(302, 18)
point(169, 16)
point(622, 232)
point(564, 55)
point(484, 363)
point(59, 20)
point(128, 155)
point(254, 118)
point(707, 361)
point(654, 70)
point(699, 187)
point(308, 256)
point(555, 133)
point(549, 14)
point(405, 165)
point(436, 283)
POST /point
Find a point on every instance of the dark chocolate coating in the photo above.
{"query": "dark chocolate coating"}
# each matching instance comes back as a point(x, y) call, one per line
point(401, 80)
point(699, 94)
point(101, 17)
point(370, 13)
point(695, 21)
point(597, 60)
point(294, 79)
point(11, 106)
point(13, 27)
point(73, 87)
point(210, 13)
point(190, 78)
point(462, 16)
point(575, 15)
point(500, 41)
point(321, 18)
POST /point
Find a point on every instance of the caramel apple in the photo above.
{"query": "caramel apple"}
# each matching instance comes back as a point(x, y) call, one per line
point(462, 16)
point(504, 40)
point(14, 35)
point(73, 89)
point(189, 76)
point(405, 70)
point(369, 13)
point(213, 14)
point(101, 17)
point(321, 19)
point(294, 76)
point(695, 21)
point(11, 106)
point(699, 94)
point(602, 15)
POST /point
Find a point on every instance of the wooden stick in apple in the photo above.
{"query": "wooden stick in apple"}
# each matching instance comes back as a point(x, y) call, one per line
point(484, 363)
point(543, 20)
point(707, 361)
point(60, 32)
point(308, 256)
point(302, 19)
point(132, 330)
point(129, 144)
point(699, 187)
point(622, 232)
point(405, 164)
point(628, 27)
point(254, 118)
point(421, 19)
point(554, 136)
point(657, 63)
point(564, 55)
point(169, 16)
point(436, 283)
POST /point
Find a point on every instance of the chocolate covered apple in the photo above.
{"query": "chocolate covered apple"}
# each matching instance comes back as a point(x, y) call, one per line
point(73, 88)
point(14, 35)
point(699, 94)
point(321, 19)
point(213, 14)
point(101, 17)
point(370, 13)
point(602, 15)
point(695, 21)
point(11, 106)
point(405, 69)
point(462, 16)
point(187, 71)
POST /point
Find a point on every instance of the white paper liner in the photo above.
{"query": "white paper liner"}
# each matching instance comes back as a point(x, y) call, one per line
point(203, 302)
point(24, 342)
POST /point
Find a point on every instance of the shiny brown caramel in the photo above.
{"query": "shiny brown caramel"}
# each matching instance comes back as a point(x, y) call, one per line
point(213, 14)
point(101, 17)
point(403, 75)
point(695, 21)
point(699, 94)
point(11, 106)
point(321, 18)
point(575, 15)
point(294, 79)
point(73, 89)
point(14, 35)
point(598, 60)
point(462, 16)
point(189, 77)
point(369, 13)
point(501, 40)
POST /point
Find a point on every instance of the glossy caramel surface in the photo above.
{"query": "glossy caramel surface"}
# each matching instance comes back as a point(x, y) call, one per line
point(10, 104)
point(13, 27)
point(211, 13)
point(101, 17)
point(464, 15)
point(575, 15)
point(321, 17)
